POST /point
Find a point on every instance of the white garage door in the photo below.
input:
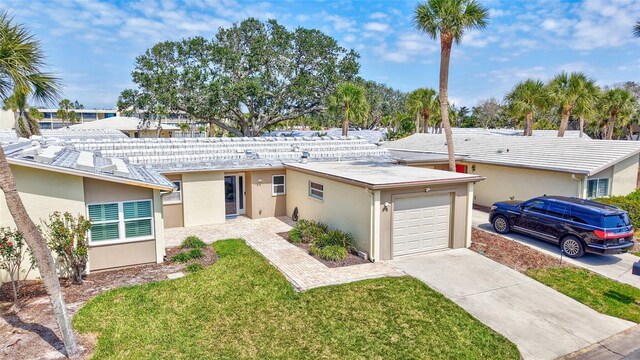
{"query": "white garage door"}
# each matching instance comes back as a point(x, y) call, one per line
point(421, 224)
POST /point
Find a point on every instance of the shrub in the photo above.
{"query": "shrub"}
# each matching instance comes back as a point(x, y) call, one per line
point(188, 255)
point(192, 242)
point(13, 251)
point(194, 267)
point(629, 203)
point(68, 237)
point(331, 252)
point(306, 231)
point(335, 238)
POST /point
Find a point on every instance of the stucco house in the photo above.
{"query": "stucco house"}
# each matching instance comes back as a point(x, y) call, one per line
point(134, 188)
point(524, 167)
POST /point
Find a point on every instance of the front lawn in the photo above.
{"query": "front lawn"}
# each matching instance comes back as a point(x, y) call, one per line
point(598, 292)
point(242, 307)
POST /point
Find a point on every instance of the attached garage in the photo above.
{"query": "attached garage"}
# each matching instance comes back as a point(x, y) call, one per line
point(420, 224)
point(391, 210)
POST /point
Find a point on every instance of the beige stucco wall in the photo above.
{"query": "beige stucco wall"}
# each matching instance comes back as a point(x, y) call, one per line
point(625, 176)
point(345, 207)
point(130, 253)
point(203, 198)
point(7, 119)
point(44, 192)
point(503, 182)
point(459, 213)
point(260, 201)
point(173, 213)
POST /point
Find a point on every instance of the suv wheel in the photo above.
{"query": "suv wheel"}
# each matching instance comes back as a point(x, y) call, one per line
point(572, 247)
point(501, 224)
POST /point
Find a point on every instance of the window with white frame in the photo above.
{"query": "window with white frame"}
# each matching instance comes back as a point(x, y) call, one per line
point(174, 197)
point(316, 190)
point(597, 188)
point(120, 221)
point(278, 185)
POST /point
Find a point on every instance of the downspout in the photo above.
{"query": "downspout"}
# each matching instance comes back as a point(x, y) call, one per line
point(580, 192)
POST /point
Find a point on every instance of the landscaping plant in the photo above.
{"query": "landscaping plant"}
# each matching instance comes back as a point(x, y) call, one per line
point(629, 203)
point(330, 253)
point(13, 252)
point(192, 242)
point(68, 237)
point(194, 267)
point(306, 231)
point(335, 238)
point(186, 256)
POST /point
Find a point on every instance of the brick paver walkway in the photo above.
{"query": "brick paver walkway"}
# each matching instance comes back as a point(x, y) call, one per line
point(300, 268)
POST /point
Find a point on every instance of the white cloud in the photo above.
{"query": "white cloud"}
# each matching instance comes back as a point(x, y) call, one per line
point(378, 15)
point(340, 23)
point(376, 26)
point(349, 38)
point(302, 18)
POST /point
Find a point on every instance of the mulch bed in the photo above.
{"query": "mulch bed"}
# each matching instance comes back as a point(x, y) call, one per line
point(32, 332)
point(208, 258)
point(350, 260)
point(511, 253)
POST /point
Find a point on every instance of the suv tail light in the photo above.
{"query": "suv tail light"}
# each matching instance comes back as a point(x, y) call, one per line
point(611, 235)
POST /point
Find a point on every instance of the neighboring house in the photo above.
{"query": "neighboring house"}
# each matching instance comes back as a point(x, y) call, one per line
point(524, 167)
point(349, 183)
point(130, 126)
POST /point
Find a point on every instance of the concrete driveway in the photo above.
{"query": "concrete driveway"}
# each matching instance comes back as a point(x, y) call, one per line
point(616, 267)
point(543, 323)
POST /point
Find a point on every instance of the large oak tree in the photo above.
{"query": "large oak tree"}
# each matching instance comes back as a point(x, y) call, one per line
point(250, 76)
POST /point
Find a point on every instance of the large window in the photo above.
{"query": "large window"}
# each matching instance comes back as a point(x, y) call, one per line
point(278, 185)
point(597, 188)
point(316, 190)
point(176, 196)
point(120, 221)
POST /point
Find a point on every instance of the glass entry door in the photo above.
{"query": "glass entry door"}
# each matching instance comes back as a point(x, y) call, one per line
point(234, 194)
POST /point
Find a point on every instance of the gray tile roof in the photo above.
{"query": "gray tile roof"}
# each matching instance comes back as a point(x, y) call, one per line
point(57, 156)
point(197, 154)
point(570, 134)
point(9, 135)
point(559, 154)
point(419, 157)
point(373, 136)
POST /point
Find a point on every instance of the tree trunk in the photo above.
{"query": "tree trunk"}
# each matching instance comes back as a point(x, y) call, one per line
point(345, 127)
point(425, 123)
point(417, 122)
point(529, 125)
point(564, 121)
point(581, 119)
point(446, 40)
point(612, 120)
point(41, 252)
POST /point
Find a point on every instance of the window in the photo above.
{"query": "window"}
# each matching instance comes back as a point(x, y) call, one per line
point(278, 186)
point(316, 190)
point(597, 188)
point(176, 196)
point(535, 206)
point(558, 210)
point(120, 221)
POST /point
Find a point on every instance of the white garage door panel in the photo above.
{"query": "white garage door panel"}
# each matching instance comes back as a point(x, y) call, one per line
point(421, 224)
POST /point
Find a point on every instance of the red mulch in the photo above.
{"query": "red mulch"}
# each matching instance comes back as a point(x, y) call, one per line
point(32, 332)
point(351, 259)
point(511, 253)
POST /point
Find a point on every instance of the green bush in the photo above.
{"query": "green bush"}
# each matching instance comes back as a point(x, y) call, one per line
point(186, 256)
point(194, 267)
point(629, 203)
point(192, 242)
point(331, 252)
point(335, 238)
point(306, 231)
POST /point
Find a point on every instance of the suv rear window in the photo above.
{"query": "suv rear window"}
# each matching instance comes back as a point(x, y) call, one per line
point(614, 221)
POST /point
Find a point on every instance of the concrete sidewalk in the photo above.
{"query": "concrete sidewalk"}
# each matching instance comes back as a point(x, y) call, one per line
point(616, 267)
point(543, 323)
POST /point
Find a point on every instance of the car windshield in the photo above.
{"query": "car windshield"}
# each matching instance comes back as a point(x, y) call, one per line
point(615, 221)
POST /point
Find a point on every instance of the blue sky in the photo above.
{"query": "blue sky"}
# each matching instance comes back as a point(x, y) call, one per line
point(92, 45)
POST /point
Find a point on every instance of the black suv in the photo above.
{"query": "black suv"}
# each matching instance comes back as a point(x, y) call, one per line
point(577, 225)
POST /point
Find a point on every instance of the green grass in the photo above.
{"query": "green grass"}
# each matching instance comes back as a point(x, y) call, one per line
point(241, 307)
point(598, 292)
point(636, 253)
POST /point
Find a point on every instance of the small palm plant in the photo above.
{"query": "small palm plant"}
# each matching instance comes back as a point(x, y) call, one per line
point(350, 101)
point(525, 98)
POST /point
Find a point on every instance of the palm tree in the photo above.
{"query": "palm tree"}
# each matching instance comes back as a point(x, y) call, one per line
point(566, 90)
point(616, 103)
point(636, 29)
point(26, 123)
point(350, 102)
point(525, 98)
point(450, 19)
point(586, 104)
point(422, 102)
point(21, 62)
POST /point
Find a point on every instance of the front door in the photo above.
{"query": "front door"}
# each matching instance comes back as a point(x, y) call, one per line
point(234, 195)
